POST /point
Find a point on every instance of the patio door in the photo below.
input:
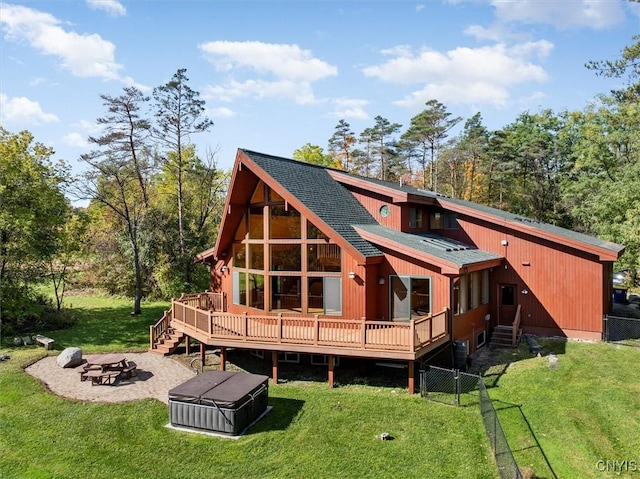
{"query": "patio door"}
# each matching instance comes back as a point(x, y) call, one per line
point(507, 295)
point(400, 298)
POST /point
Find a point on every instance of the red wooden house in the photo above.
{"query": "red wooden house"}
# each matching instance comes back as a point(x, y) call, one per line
point(316, 261)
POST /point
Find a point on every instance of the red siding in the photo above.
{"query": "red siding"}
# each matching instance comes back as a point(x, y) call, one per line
point(564, 286)
point(373, 205)
point(466, 326)
point(396, 264)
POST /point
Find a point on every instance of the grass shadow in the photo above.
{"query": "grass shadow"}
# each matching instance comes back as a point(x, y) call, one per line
point(502, 406)
point(283, 414)
point(493, 363)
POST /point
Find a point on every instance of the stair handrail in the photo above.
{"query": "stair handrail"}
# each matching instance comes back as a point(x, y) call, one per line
point(157, 330)
point(515, 327)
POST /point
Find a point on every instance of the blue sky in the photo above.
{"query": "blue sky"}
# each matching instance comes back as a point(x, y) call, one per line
point(276, 75)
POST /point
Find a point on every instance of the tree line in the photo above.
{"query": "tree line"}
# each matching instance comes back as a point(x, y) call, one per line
point(575, 169)
point(154, 201)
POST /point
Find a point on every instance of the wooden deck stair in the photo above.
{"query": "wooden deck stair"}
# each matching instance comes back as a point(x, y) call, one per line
point(502, 337)
point(169, 342)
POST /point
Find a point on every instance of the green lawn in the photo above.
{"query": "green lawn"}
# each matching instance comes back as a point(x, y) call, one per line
point(563, 421)
point(559, 422)
point(312, 431)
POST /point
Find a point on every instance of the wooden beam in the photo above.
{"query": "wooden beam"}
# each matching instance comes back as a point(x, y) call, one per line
point(187, 345)
point(274, 366)
point(331, 358)
point(203, 356)
point(411, 377)
point(223, 358)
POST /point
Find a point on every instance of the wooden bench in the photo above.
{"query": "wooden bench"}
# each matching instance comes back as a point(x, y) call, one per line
point(46, 342)
point(129, 370)
point(84, 368)
point(99, 377)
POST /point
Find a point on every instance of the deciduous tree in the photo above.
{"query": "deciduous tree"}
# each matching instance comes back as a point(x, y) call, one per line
point(179, 113)
point(120, 172)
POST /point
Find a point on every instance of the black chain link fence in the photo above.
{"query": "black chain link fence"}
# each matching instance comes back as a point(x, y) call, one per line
point(451, 386)
point(617, 329)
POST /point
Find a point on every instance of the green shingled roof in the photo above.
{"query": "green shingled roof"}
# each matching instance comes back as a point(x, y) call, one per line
point(436, 246)
point(499, 214)
point(315, 189)
point(337, 207)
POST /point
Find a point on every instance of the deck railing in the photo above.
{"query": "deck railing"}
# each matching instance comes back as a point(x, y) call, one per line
point(208, 300)
point(157, 330)
point(348, 333)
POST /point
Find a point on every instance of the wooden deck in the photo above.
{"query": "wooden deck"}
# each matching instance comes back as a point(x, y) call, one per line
point(198, 316)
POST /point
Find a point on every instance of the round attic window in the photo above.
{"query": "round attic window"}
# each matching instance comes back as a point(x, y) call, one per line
point(384, 211)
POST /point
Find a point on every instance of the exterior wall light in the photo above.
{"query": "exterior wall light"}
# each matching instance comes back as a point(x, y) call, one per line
point(380, 280)
point(224, 269)
point(352, 275)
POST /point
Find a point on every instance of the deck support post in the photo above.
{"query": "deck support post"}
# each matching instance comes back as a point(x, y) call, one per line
point(223, 358)
point(187, 345)
point(412, 378)
point(203, 349)
point(331, 361)
point(274, 366)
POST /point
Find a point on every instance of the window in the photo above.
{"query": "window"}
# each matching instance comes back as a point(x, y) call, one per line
point(256, 291)
point(239, 288)
point(285, 257)
point(256, 256)
point(323, 360)
point(267, 255)
point(258, 194)
point(436, 221)
point(314, 233)
point(239, 255)
point(415, 218)
point(286, 295)
point(410, 297)
point(324, 257)
point(480, 339)
point(508, 295)
point(324, 295)
point(286, 357)
point(451, 221)
point(258, 353)
point(284, 224)
point(256, 226)
point(440, 221)
point(241, 232)
point(385, 211)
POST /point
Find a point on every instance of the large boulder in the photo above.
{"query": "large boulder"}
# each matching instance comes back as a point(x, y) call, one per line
point(69, 358)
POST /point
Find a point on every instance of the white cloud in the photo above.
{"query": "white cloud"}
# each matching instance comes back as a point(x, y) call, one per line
point(22, 111)
point(348, 108)
point(597, 14)
point(112, 7)
point(464, 75)
point(301, 93)
point(76, 140)
point(283, 71)
point(89, 127)
point(84, 56)
point(220, 112)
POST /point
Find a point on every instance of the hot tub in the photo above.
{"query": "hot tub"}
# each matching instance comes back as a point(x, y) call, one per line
point(219, 401)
